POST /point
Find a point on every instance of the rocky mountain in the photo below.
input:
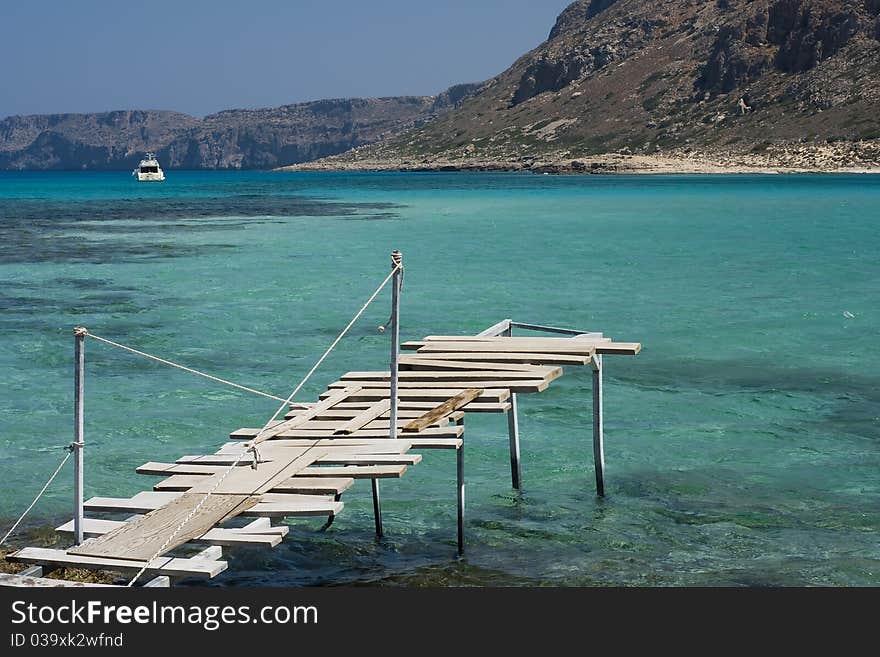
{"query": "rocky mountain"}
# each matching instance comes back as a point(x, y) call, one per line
point(232, 139)
point(109, 140)
point(794, 81)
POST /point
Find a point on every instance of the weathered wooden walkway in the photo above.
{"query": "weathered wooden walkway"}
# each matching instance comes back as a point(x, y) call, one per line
point(306, 461)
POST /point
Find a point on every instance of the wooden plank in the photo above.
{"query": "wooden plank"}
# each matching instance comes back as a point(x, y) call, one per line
point(215, 536)
point(283, 509)
point(353, 445)
point(452, 431)
point(218, 461)
point(233, 538)
point(289, 498)
point(178, 482)
point(473, 407)
point(573, 349)
point(379, 446)
point(417, 406)
point(92, 526)
point(278, 449)
point(307, 415)
point(421, 362)
point(439, 394)
point(247, 481)
point(619, 348)
point(435, 443)
point(143, 502)
point(316, 485)
point(212, 553)
point(293, 467)
point(136, 504)
point(512, 357)
point(333, 426)
point(540, 342)
point(295, 505)
point(545, 374)
point(141, 539)
point(567, 346)
point(363, 454)
point(372, 459)
point(261, 526)
point(589, 338)
point(524, 386)
point(357, 471)
point(412, 440)
point(452, 404)
point(155, 468)
point(17, 580)
point(185, 482)
point(337, 413)
point(348, 414)
point(363, 418)
point(173, 567)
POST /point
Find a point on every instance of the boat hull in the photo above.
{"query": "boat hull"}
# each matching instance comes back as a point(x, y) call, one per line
point(150, 177)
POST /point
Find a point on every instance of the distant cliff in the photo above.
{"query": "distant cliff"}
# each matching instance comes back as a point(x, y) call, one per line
point(769, 81)
point(232, 139)
point(109, 140)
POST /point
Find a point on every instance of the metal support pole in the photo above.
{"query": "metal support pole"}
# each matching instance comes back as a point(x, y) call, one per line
point(598, 428)
point(513, 433)
point(396, 263)
point(459, 469)
point(330, 518)
point(377, 509)
point(78, 390)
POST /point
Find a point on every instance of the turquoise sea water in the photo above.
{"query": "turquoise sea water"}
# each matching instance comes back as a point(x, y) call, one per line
point(742, 444)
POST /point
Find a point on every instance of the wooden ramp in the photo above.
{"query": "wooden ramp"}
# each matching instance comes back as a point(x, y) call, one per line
point(152, 535)
point(308, 459)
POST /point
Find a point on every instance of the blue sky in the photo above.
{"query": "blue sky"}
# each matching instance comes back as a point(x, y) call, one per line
point(200, 57)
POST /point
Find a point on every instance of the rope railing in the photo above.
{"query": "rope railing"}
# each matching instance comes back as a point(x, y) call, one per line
point(170, 363)
point(252, 445)
point(39, 495)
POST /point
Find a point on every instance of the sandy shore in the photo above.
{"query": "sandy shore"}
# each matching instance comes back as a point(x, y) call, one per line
point(858, 157)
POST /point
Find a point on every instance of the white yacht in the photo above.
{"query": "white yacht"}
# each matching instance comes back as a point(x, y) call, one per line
point(149, 169)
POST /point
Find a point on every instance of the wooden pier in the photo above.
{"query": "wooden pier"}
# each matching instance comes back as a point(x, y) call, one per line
point(315, 454)
point(366, 425)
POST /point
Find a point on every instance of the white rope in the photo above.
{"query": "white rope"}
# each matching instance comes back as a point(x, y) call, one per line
point(257, 439)
point(181, 367)
point(39, 495)
point(251, 446)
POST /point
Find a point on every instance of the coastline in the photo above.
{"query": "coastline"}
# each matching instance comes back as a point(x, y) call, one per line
point(840, 157)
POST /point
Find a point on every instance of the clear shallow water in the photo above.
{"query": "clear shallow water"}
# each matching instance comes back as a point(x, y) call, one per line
point(743, 444)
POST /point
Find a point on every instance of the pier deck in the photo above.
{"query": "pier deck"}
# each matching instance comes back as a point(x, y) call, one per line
point(306, 461)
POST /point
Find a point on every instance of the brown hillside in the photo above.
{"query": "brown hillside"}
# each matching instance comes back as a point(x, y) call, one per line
point(640, 77)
